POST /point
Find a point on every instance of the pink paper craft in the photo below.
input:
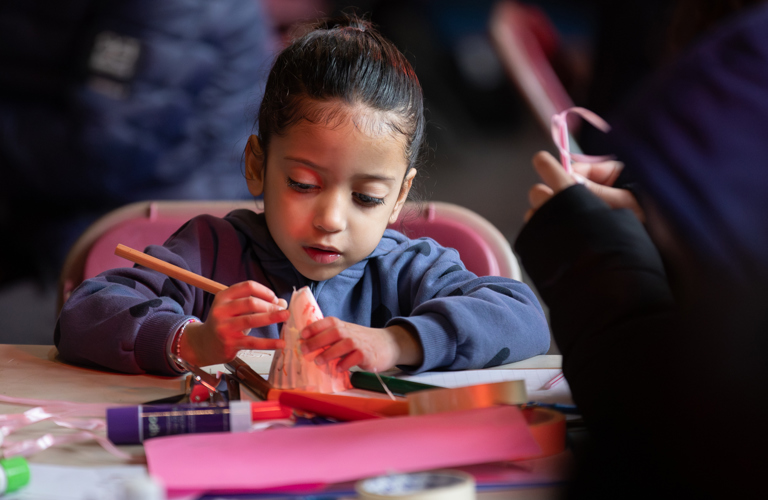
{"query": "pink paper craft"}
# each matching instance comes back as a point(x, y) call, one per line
point(248, 462)
point(293, 370)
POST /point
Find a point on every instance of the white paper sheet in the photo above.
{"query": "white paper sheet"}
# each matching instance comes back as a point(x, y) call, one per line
point(59, 482)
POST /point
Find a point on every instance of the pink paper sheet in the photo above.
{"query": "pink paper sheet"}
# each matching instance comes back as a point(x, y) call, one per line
point(241, 462)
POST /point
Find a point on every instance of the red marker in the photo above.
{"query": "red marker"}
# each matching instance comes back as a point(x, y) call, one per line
point(339, 411)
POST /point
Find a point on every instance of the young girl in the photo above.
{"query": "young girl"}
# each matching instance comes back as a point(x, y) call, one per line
point(340, 129)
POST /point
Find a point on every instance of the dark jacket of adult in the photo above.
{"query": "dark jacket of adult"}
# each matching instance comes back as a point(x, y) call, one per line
point(664, 336)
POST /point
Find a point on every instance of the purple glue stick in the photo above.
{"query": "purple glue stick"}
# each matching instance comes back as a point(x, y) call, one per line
point(134, 424)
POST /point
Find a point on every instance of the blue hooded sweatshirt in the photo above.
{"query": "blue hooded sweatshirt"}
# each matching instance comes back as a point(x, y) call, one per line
point(124, 318)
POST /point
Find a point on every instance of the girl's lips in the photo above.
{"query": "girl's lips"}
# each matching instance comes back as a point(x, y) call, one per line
point(322, 256)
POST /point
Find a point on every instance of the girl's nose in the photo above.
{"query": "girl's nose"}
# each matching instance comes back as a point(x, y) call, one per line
point(330, 214)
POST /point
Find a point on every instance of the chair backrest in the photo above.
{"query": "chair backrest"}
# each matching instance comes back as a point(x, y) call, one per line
point(482, 247)
point(519, 33)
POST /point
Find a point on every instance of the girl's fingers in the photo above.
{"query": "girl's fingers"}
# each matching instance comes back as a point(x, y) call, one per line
point(248, 321)
point(259, 343)
point(321, 340)
point(336, 350)
point(268, 318)
point(250, 289)
point(355, 358)
point(551, 172)
point(246, 305)
point(319, 326)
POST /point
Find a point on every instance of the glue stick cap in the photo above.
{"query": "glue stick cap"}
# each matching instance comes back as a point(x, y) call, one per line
point(124, 424)
point(14, 474)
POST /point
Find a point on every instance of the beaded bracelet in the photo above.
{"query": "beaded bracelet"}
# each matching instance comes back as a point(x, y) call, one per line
point(175, 350)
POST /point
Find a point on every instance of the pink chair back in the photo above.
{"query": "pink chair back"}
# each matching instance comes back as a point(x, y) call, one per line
point(483, 249)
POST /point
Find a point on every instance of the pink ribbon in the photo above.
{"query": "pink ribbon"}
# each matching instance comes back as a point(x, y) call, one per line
point(63, 413)
point(29, 447)
point(560, 136)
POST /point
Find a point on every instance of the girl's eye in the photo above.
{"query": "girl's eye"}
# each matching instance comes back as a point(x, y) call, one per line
point(300, 186)
point(368, 201)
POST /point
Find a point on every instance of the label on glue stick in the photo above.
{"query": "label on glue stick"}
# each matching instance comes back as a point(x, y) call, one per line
point(134, 424)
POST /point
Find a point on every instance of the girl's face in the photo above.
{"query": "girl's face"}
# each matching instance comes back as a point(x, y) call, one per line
point(330, 191)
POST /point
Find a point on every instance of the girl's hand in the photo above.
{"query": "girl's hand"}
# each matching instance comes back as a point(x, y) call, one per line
point(597, 177)
point(372, 349)
point(234, 312)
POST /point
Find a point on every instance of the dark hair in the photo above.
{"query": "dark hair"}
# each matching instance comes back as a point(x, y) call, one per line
point(344, 59)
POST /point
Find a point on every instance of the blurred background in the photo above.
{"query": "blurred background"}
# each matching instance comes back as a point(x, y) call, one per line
point(104, 103)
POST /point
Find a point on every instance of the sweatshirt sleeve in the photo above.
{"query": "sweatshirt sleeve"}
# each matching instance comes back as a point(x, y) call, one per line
point(464, 321)
point(123, 319)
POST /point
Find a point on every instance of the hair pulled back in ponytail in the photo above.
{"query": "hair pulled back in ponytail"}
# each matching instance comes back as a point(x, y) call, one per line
point(345, 60)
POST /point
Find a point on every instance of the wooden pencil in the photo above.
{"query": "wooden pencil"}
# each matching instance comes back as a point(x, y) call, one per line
point(176, 272)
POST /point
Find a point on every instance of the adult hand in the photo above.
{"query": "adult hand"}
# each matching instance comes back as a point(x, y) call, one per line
point(555, 180)
point(372, 349)
point(234, 311)
point(597, 177)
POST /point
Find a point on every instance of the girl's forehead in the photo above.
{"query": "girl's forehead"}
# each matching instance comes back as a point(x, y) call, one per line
point(334, 113)
point(341, 147)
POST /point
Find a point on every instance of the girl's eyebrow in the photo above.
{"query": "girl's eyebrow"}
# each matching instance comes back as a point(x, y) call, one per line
point(374, 177)
point(363, 176)
point(305, 162)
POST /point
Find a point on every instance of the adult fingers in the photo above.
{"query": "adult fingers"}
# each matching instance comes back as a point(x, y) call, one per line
point(551, 172)
point(604, 173)
point(538, 195)
point(617, 198)
point(528, 214)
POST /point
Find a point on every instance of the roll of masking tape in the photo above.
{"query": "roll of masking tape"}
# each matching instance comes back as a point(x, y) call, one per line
point(435, 485)
point(465, 398)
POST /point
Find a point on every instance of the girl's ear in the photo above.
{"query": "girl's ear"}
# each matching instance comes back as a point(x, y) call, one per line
point(254, 166)
point(403, 196)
